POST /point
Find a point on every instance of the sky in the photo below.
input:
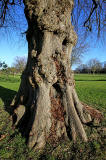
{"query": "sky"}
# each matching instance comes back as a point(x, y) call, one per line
point(94, 52)
point(12, 43)
point(16, 45)
point(10, 49)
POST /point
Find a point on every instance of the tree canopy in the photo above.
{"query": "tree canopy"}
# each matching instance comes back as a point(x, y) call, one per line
point(3, 65)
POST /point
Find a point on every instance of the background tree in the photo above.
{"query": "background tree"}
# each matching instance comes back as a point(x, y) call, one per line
point(3, 65)
point(46, 103)
point(12, 70)
point(19, 64)
point(103, 69)
point(0, 64)
point(78, 51)
point(82, 68)
point(94, 65)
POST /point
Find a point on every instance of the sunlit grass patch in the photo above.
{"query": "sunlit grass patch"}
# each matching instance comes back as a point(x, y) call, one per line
point(90, 77)
point(9, 78)
point(92, 93)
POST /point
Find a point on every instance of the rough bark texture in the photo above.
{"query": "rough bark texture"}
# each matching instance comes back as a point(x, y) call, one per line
point(47, 107)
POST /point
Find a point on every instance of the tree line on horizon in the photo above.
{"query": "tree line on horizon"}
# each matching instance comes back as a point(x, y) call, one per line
point(17, 67)
point(91, 67)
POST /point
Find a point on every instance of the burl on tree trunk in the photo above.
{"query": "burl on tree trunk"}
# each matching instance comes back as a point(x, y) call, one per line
point(46, 103)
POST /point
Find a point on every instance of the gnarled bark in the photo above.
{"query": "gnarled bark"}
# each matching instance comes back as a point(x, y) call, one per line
point(46, 103)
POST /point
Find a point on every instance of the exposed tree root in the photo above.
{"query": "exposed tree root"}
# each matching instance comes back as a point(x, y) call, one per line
point(52, 111)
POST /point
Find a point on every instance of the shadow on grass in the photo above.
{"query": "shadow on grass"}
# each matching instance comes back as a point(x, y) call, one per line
point(7, 96)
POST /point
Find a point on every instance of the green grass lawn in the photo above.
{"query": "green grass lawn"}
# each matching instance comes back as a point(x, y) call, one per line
point(91, 89)
point(93, 93)
point(8, 87)
point(90, 77)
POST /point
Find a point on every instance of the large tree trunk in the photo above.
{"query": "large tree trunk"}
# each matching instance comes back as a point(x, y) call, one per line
point(47, 105)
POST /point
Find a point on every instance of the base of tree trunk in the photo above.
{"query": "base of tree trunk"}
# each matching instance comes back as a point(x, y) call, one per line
point(52, 113)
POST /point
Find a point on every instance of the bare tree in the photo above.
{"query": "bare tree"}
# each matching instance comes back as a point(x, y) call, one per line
point(78, 52)
point(94, 65)
point(20, 63)
point(47, 103)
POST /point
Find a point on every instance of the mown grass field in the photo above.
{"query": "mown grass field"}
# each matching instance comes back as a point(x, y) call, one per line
point(91, 89)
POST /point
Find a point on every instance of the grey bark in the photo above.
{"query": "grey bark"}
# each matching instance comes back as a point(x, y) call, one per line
point(47, 103)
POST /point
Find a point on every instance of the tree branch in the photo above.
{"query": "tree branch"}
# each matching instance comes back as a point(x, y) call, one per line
point(4, 5)
point(91, 12)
